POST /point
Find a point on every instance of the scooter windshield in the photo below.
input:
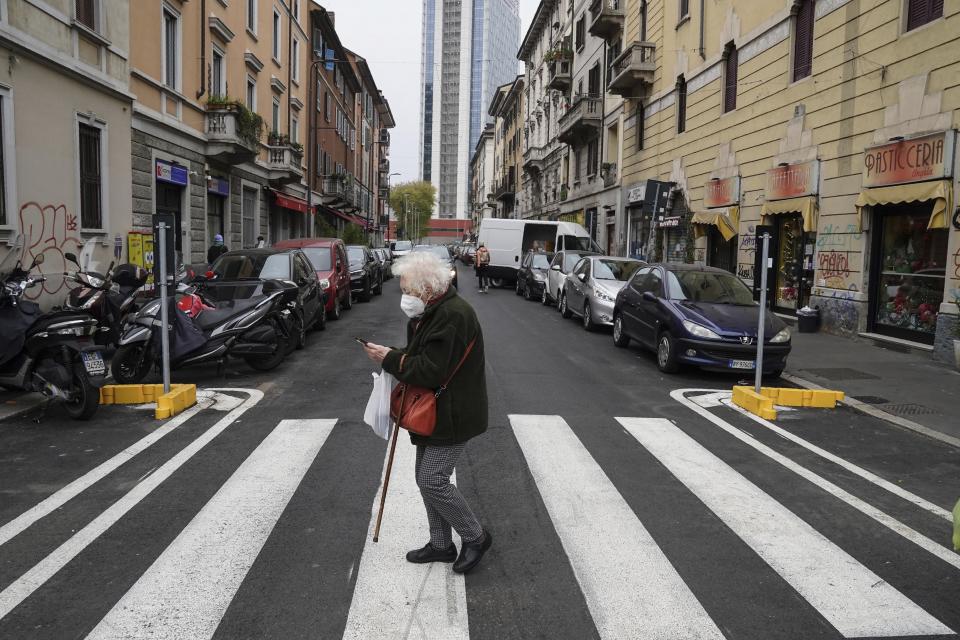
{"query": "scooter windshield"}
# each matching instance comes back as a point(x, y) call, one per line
point(9, 261)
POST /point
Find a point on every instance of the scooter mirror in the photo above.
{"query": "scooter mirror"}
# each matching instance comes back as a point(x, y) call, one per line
point(72, 258)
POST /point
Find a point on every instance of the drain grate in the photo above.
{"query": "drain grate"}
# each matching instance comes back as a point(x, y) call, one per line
point(842, 373)
point(871, 399)
point(908, 409)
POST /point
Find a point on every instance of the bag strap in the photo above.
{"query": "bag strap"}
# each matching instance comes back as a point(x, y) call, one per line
point(459, 364)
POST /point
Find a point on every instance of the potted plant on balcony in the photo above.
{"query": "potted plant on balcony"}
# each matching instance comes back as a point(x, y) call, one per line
point(557, 54)
point(249, 125)
point(277, 139)
point(563, 192)
point(297, 148)
point(215, 103)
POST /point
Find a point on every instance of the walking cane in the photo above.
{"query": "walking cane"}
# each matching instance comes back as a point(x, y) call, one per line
point(386, 477)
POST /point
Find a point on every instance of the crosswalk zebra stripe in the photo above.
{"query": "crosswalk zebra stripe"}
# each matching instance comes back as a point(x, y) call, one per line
point(851, 597)
point(22, 587)
point(922, 541)
point(394, 598)
point(189, 587)
point(629, 585)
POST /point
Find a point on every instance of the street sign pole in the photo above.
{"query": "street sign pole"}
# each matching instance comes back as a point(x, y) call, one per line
point(164, 319)
point(761, 324)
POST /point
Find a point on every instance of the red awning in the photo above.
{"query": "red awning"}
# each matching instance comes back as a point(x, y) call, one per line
point(289, 202)
point(338, 213)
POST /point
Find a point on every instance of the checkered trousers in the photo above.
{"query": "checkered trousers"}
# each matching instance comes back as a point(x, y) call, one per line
point(444, 503)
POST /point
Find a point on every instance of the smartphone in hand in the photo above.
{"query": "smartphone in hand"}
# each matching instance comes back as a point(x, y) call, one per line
point(362, 341)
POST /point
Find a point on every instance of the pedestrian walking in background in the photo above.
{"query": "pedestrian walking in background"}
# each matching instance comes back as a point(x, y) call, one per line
point(261, 243)
point(443, 332)
point(483, 262)
point(217, 249)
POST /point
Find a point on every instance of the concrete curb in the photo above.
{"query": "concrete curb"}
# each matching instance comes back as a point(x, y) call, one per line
point(879, 413)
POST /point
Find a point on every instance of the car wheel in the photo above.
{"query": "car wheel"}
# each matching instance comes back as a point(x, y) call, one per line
point(519, 293)
point(588, 317)
point(367, 293)
point(496, 283)
point(666, 353)
point(526, 293)
point(337, 309)
point(321, 322)
point(299, 331)
point(619, 337)
point(379, 290)
point(544, 297)
point(564, 309)
point(348, 303)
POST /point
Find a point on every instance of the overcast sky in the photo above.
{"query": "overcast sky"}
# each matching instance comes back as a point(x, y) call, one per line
point(387, 33)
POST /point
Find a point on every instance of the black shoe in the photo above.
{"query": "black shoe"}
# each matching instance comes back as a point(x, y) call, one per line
point(429, 553)
point(471, 553)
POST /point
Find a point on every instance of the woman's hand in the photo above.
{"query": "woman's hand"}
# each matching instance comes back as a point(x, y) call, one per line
point(376, 352)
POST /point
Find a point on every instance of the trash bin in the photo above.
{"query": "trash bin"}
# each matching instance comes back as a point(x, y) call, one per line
point(808, 319)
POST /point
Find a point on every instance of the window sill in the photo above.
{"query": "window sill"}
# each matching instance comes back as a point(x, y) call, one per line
point(922, 27)
point(224, 3)
point(277, 63)
point(252, 34)
point(91, 33)
point(807, 78)
point(683, 20)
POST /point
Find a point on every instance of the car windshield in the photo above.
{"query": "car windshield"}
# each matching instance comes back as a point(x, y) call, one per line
point(570, 260)
point(578, 243)
point(702, 286)
point(356, 255)
point(256, 266)
point(540, 261)
point(440, 252)
point(621, 270)
point(403, 245)
point(319, 257)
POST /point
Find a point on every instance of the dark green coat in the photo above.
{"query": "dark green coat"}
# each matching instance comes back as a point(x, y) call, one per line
point(435, 344)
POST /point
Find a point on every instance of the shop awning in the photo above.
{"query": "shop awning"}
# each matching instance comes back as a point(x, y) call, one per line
point(727, 221)
point(290, 202)
point(806, 206)
point(940, 191)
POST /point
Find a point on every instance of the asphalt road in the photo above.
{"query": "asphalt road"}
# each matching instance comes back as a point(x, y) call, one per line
point(623, 504)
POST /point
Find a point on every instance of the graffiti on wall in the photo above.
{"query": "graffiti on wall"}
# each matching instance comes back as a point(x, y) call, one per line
point(50, 230)
point(838, 237)
point(956, 265)
point(840, 315)
point(838, 269)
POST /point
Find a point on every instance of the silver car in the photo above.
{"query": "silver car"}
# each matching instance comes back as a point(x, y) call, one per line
point(591, 288)
point(563, 262)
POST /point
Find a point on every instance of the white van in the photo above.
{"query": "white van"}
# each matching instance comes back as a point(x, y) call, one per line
point(508, 240)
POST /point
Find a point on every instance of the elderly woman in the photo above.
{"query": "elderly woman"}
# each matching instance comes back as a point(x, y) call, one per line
point(441, 328)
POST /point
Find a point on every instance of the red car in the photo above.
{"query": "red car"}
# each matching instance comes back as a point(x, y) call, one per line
point(329, 259)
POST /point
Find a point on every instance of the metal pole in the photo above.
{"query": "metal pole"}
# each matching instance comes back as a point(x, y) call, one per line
point(761, 325)
point(164, 319)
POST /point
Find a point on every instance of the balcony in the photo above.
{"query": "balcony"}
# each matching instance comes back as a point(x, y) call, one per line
point(338, 191)
point(633, 70)
point(606, 18)
point(533, 159)
point(284, 163)
point(384, 165)
point(228, 141)
point(582, 119)
point(561, 75)
point(507, 188)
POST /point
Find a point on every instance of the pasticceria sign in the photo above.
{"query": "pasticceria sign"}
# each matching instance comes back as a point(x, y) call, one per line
point(914, 160)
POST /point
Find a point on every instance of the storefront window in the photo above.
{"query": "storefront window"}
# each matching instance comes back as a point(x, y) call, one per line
point(215, 207)
point(911, 275)
point(789, 251)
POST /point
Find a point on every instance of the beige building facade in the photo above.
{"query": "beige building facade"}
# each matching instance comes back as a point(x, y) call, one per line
point(792, 117)
point(482, 175)
point(64, 135)
point(507, 110)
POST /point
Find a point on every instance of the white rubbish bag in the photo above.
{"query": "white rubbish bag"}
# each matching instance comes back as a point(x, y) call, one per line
point(377, 414)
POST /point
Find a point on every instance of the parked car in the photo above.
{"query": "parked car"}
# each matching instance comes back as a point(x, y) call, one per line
point(532, 276)
point(400, 248)
point(366, 280)
point(386, 264)
point(328, 256)
point(562, 264)
point(468, 254)
point(702, 316)
point(590, 290)
point(444, 254)
point(292, 265)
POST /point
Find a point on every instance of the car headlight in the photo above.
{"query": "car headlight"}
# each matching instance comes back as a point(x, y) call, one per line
point(453, 273)
point(783, 336)
point(603, 294)
point(700, 331)
point(358, 272)
point(539, 277)
point(324, 284)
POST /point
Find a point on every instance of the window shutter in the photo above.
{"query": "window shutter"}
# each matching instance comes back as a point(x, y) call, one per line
point(803, 42)
point(640, 126)
point(730, 80)
point(920, 12)
point(681, 104)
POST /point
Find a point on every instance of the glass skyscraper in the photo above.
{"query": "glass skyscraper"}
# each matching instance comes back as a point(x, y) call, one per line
point(469, 49)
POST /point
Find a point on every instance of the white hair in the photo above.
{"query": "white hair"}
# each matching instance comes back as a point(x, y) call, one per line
point(425, 274)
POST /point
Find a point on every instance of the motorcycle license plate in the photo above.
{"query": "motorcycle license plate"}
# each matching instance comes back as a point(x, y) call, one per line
point(93, 361)
point(741, 364)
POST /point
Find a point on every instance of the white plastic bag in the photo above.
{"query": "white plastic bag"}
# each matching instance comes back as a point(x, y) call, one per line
point(377, 414)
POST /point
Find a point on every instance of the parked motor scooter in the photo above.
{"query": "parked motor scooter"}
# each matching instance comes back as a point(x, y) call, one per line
point(50, 353)
point(108, 298)
point(251, 328)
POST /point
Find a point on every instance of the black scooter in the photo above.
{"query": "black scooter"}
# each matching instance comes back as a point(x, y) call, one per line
point(50, 353)
point(108, 298)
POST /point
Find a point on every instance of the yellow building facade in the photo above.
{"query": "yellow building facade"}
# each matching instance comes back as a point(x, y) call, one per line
point(830, 124)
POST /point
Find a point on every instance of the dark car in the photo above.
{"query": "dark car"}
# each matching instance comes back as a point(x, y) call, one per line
point(236, 268)
point(366, 276)
point(386, 263)
point(444, 254)
point(468, 254)
point(702, 316)
point(329, 259)
point(532, 276)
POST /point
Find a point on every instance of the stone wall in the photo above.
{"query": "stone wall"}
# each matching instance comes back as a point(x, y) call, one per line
point(947, 328)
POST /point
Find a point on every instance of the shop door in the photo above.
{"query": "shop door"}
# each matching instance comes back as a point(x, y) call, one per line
point(908, 272)
point(788, 263)
point(611, 237)
point(216, 206)
point(721, 253)
point(170, 201)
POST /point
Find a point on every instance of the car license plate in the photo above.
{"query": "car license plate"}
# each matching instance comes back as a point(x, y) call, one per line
point(93, 362)
point(741, 364)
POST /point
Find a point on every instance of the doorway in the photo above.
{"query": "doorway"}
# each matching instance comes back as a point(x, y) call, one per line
point(721, 253)
point(170, 201)
point(788, 294)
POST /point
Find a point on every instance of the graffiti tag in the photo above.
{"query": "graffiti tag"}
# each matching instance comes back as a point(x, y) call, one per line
point(52, 231)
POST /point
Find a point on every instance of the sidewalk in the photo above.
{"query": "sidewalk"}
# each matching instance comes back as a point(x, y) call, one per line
point(907, 387)
point(16, 402)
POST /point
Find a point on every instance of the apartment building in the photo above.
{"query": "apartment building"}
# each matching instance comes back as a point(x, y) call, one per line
point(482, 175)
point(507, 111)
point(795, 118)
point(64, 134)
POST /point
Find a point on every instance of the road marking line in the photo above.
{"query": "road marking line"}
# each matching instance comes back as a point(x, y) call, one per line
point(394, 598)
point(855, 600)
point(73, 489)
point(186, 591)
point(29, 582)
point(862, 506)
point(629, 585)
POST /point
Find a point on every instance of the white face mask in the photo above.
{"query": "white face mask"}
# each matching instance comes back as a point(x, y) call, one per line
point(412, 305)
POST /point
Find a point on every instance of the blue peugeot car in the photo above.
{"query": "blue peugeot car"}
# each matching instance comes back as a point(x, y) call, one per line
point(696, 315)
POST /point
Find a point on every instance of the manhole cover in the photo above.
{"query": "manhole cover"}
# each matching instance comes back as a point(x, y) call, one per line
point(842, 373)
point(871, 399)
point(908, 409)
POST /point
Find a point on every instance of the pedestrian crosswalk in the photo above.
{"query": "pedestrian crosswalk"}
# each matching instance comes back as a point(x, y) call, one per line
point(779, 522)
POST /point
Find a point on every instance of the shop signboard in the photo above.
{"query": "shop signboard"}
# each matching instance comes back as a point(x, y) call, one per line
point(218, 186)
point(793, 180)
point(637, 193)
point(913, 160)
point(671, 221)
point(722, 193)
point(172, 173)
